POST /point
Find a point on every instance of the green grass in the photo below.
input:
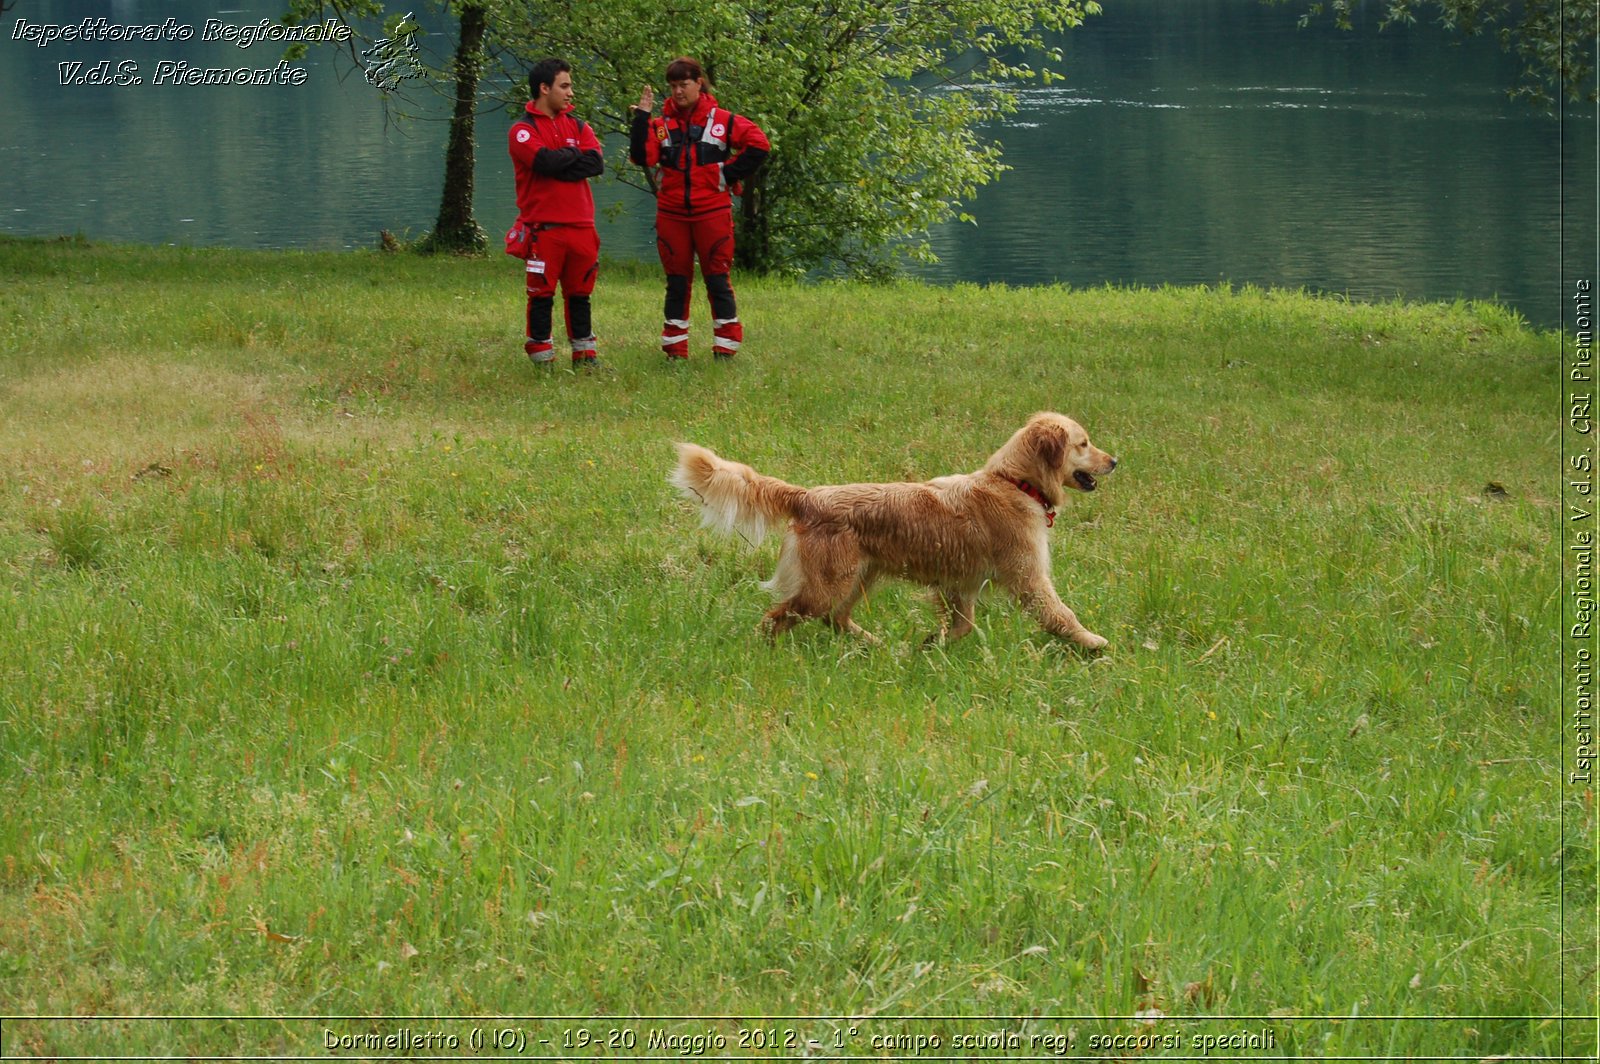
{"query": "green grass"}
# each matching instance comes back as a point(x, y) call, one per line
point(351, 666)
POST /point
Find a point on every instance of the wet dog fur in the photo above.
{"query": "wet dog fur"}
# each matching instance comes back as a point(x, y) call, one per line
point(953, 534)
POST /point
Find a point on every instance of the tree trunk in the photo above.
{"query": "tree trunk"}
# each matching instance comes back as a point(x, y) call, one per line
point(753, 250)
point(456, 230)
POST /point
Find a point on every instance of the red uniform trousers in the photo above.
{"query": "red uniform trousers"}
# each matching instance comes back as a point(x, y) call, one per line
point(568, 255)
point(679, 240)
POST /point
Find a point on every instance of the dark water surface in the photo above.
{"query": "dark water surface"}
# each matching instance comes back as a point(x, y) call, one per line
point(1193, 142)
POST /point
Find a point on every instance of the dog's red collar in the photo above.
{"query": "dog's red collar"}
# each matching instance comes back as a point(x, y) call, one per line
point(1037, 496)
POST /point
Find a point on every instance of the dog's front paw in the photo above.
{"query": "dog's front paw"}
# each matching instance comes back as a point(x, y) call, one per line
point(1089, 641)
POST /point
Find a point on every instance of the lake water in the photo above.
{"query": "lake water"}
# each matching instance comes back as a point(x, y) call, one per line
point(1197, 142)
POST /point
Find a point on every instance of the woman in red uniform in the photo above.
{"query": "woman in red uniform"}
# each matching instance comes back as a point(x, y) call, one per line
point(699, 153)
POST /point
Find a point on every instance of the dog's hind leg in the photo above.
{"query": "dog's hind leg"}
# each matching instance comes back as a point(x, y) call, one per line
point(792, 585)
point(956, 606)
point(791, 611)
point(821, 575)
point(782, 617)
point(840, 617)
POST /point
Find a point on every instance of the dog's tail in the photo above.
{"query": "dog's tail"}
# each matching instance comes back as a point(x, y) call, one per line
point(733, 497)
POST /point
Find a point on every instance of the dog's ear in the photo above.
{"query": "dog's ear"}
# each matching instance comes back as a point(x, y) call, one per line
point(1049, 443)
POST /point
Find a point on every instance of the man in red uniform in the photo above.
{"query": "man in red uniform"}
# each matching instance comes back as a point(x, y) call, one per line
point(554, 154)
point(699, 153)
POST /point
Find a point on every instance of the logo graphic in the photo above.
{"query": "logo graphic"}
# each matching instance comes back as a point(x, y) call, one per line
point(392, 60)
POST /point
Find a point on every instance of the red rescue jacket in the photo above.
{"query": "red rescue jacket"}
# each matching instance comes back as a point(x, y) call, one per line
point(553, 159)
point(702, 156)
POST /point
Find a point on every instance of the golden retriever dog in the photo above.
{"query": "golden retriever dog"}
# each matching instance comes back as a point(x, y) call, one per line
point(953, 534)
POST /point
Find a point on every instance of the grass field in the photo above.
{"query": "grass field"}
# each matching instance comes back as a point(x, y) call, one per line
point(352, 666)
